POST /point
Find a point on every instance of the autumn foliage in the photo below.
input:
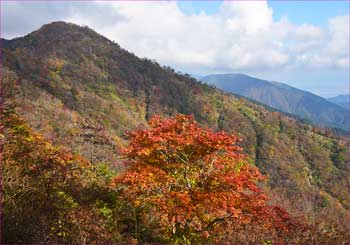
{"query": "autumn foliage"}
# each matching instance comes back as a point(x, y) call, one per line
point(189, 184)
point(48, 193)
point(79, 90)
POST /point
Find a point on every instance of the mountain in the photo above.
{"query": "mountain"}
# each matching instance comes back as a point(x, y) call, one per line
point(284, 98)
point(341, 100)
point(198, 77)
point(83, 91)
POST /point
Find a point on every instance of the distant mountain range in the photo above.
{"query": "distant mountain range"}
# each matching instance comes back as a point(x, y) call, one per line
point(341, 100)
point(284, 98)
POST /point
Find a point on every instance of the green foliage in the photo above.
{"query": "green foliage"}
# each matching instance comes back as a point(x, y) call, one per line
point(339, 155)
point(309, 107)
point(50, 194)
point(92, 91)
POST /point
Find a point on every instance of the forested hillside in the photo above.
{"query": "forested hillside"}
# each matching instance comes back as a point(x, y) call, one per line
point(82, 91)
point(285, 98)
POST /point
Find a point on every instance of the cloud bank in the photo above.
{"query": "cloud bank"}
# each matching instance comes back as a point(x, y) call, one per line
point(240, 36)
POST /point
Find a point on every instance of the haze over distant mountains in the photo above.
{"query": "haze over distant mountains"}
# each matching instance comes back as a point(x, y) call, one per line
point(341, 100)
point(284, 98)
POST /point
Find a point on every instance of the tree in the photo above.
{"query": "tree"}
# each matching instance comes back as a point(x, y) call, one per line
point(48, 193)
point(189, 184)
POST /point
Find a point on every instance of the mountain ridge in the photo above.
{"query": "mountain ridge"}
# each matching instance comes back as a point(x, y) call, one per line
point(341, 100)
point(283, 97)
point(85, 92)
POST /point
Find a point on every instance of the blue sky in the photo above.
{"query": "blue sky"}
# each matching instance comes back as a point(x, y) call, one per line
point(328, 82)
point(303, 43)
point(312, 12)
point(298, 12)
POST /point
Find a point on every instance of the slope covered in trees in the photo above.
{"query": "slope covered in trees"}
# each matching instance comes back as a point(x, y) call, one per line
point(193, 185)
point(51, 195)
point(48, 193)
point(183, 184)
point(283, 97)
point(83, 91)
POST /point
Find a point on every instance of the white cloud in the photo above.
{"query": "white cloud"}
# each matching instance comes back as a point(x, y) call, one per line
point(331, 48)
point(306, 32)
point(242, 35)
point(247, 17)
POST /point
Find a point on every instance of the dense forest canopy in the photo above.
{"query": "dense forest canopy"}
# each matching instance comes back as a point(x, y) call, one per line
point(65, 85)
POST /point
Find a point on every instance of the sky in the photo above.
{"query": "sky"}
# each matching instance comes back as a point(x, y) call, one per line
point(302, 43)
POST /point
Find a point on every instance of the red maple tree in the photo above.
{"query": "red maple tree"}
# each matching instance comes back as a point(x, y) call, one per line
point(189, 184)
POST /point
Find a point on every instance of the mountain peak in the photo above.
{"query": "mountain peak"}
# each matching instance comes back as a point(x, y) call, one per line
point(57, 26)
point(60, 23)
point(83, 92)
point(58, 36)
point(229, 75)
point(59, 29)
